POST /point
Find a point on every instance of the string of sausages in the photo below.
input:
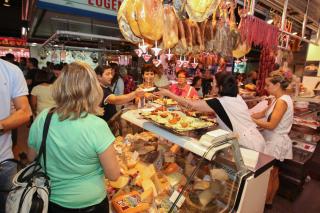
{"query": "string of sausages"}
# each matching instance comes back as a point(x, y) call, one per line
point(266, 65)
point(257, 32)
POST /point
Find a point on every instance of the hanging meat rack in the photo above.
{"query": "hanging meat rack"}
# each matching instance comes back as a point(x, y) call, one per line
point(283, 18)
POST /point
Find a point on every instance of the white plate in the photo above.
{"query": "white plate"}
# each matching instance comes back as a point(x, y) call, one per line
point(149, 89)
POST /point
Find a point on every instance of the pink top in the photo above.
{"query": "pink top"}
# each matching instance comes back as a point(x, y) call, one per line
point(187, 92)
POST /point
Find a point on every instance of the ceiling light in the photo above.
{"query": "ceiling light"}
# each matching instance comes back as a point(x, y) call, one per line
point(270, 21)
point(23, 31)
point(34, 44)
point(6, 3)
point(56, 45)
point(294, 33)
point(304, 36)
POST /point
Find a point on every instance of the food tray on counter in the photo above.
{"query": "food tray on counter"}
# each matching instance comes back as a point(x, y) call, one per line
point(177, 121)
point(165, 102)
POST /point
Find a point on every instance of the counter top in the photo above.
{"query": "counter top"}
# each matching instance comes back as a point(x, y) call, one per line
point(313, 99)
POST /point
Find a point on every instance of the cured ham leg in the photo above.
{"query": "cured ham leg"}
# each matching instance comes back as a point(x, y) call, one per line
point(202, 31)
point(181, 48)
point(208, 36)
point(200, 10)
point(149, 15)
point(196, 37)
point(189, 36)
point(124, 24)
point(170, 30)
point(131, 17)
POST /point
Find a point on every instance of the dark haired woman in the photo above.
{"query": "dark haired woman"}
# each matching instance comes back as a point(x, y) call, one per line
point(197, 85)
point(117, 84)
point(231, 110)
point(277, 125)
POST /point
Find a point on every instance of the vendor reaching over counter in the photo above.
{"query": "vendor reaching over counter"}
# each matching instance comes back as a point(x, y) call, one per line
point(232, 112)
point(105, 75)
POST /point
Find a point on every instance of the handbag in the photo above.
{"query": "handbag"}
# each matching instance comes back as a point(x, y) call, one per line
point(31, 186)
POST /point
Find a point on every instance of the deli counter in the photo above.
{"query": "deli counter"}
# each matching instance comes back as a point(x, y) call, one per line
point(164, 171)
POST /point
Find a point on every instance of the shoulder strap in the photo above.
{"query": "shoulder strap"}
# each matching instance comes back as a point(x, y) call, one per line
point(115, 85)
point(216, 105)
point(42, 150)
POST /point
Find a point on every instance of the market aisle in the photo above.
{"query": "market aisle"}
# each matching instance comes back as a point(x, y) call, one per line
point(307, 202)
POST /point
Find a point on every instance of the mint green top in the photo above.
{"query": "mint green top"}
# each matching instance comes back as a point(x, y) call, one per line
point(73, 146)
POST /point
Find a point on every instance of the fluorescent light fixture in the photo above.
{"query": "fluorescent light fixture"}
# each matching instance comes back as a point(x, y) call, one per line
point(270, 21)
point(294, 33)
point(23, 31)
point(6, 3)
point(34, 44)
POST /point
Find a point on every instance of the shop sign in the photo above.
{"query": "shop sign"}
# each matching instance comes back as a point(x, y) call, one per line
point(102, 9)
point(12, 42)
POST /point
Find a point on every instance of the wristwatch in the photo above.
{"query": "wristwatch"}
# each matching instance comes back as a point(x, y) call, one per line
point(1, 130)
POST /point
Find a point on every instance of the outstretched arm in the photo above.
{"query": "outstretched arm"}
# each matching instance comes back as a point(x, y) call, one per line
point(199, 105)
point(123, 99)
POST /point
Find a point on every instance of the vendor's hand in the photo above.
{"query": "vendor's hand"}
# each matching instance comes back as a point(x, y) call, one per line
point(162, 92)
point(139, 92)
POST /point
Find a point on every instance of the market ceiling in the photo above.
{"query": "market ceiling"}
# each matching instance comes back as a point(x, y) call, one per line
point(10, 16)
point(48, 22)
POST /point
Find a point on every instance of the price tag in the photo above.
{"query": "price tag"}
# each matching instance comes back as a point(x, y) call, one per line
point(174, 196)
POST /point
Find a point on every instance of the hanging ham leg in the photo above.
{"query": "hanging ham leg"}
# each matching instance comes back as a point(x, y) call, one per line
point(149, 15)
point(188, 33)
point(182, 47)
point(202, 31)
point(235, 35)
point(131, 16)
point(170, 30)
point(182, 35)
point(208, 36)
point(196, 34)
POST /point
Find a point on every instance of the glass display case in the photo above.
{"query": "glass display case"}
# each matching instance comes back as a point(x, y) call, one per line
point(163, 171)
point(214, 186)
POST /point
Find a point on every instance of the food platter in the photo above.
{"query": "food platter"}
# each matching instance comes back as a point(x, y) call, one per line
point(165, 102)
point(176, 121)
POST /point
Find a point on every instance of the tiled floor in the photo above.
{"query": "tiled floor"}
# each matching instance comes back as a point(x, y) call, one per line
point(307, 202)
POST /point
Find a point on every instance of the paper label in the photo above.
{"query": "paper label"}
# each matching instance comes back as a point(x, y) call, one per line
point(174, 196)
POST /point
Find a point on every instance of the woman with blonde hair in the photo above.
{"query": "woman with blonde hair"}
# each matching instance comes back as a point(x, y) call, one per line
point(79, 144)
point(276, 120)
